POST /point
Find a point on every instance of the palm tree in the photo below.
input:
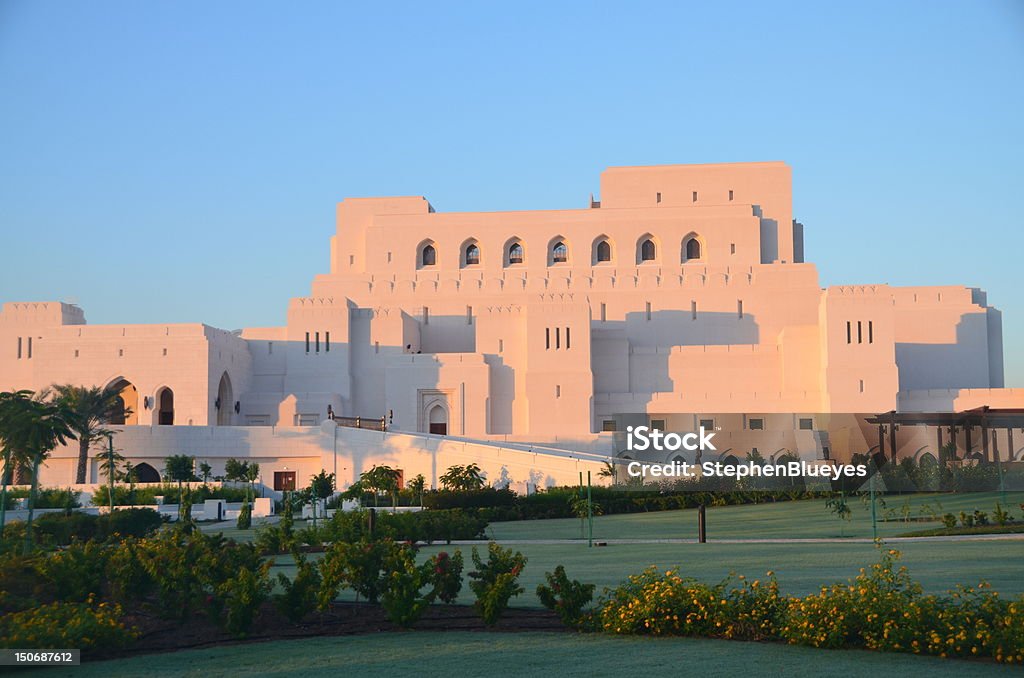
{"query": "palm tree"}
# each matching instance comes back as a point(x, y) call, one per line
point(33, 428)
point(12, 410)
point(92, 408)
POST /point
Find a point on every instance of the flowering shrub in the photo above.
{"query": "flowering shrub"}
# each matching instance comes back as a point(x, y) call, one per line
point(881, 609)
point(495, 581)
point(666, 604)
point(446, 575)
point(566, 597)
point(82, 625)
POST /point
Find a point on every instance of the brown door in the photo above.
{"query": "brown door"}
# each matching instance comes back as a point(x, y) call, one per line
point(284, 481)
point(439, 429)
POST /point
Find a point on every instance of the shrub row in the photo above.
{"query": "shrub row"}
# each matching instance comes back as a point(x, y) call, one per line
point(146, 495)
point(352, 526)
point(46, 497)
point(60, 529)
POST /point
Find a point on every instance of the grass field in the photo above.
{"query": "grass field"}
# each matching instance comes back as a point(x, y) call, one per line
point(462, 654)
point(801, 567)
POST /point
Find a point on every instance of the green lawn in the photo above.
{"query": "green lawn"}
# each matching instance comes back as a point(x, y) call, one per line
point(782, 520)
point(463, 654)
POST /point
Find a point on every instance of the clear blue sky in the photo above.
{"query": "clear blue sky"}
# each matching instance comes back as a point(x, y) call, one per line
point(180, 161)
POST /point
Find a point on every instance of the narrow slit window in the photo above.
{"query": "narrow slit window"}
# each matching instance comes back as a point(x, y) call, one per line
point(501, 345)
point(871, 332)
point(693, 310)
point(558, 390)
point(861, 385)
point(558, 338)
point(19, 348)
point(327, 341)
point(567, 341)
point(739, 308)
point(76, 352)
point(270, 348)
point(547, 337)
point(657, 198)
point(648, 310)
point(307, 342)
point(849, 339)
point(469, 315)
point(30, 348)
point(426, 315)
point(860, 333)
point(730, 196)
point(604, 312)
point(317, 342)
point(695, 196)
point(732, 248)
point(376, 347)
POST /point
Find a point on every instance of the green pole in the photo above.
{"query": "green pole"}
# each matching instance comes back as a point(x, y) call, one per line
point(874, 516)
point(590, 515)
point(110, 471)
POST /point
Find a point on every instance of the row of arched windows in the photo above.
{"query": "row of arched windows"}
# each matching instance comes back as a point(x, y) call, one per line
point(602, 251)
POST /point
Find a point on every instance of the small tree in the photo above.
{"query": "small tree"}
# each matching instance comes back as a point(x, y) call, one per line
point(205, 472)
point(841, 508)
point(179, 467)
point(381, 479)
point(321, 486)
point(463, 478)
point(417, 485)
point(252, 473)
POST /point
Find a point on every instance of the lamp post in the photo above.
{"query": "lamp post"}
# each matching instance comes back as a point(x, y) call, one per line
point(110, 470)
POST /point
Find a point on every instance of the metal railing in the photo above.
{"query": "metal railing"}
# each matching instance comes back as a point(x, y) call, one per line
point(362, 422)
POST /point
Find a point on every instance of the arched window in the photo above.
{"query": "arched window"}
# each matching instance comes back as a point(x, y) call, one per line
point(692, 249)
point(429, 256)
point(472, 255)
point(165, 407)
point(647, 250)
point(604, 251)
point(515, 253)
point(559, 253)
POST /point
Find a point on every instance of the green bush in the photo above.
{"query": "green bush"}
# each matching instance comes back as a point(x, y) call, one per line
point(245, 517)
point(299, 595)
point(75, 572)
point(495, 581)
point(566, 597)
point(401, 592)
point(359, 566)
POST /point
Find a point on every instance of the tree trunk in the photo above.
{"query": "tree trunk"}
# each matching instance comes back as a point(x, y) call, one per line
point(31, 504)
point(3, 493)
point(84, 442)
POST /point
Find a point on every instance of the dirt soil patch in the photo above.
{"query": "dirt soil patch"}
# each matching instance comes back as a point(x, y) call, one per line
point(343, 619)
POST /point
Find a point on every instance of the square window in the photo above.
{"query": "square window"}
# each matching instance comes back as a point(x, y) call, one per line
point(755, 424)
point(707, 424)
point(658, 424)
point(608, 425)
point(806, 424)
